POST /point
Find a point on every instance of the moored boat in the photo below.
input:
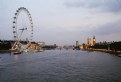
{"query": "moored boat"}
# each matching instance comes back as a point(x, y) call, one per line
point(17, 52)
point(119, 55)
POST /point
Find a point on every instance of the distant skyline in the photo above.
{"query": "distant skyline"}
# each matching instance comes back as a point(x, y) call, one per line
point(66, 21)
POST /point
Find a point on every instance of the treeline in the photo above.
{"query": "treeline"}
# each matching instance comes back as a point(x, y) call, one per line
point(5, 45)
point(107, 45)
point(49, 47)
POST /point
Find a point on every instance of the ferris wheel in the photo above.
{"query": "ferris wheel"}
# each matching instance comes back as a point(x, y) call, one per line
point(18, 31)
point(17, 35)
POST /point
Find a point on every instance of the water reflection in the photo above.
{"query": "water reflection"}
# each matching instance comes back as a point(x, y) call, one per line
point(16, 57)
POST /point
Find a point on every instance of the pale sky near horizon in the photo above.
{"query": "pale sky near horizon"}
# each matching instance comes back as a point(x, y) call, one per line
point(66, 21)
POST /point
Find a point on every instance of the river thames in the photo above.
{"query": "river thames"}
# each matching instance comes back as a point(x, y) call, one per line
point(60, 66)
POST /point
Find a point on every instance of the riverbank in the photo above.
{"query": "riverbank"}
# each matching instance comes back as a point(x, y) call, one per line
point(106, 51)
point(5, 51)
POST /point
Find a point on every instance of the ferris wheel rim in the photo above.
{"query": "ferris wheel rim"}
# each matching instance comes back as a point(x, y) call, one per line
point(15, 33)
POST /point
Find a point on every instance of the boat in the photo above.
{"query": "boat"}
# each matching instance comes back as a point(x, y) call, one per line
point(119, 55)
point(17, 52)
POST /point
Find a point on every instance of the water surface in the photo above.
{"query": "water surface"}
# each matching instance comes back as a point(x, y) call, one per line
point(60, 66)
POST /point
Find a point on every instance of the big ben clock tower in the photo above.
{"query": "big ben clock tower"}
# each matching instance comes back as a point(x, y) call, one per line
point(94, 40)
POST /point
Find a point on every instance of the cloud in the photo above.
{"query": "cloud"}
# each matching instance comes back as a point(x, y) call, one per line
point(103, 5)
point(108, 29)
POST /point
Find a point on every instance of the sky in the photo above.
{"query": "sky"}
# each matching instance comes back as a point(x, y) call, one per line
point(65, 21)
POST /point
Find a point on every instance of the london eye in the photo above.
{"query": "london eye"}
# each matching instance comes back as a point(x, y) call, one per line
point(22, 32)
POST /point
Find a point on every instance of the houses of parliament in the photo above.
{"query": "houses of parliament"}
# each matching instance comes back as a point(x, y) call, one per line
point(91, 42)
